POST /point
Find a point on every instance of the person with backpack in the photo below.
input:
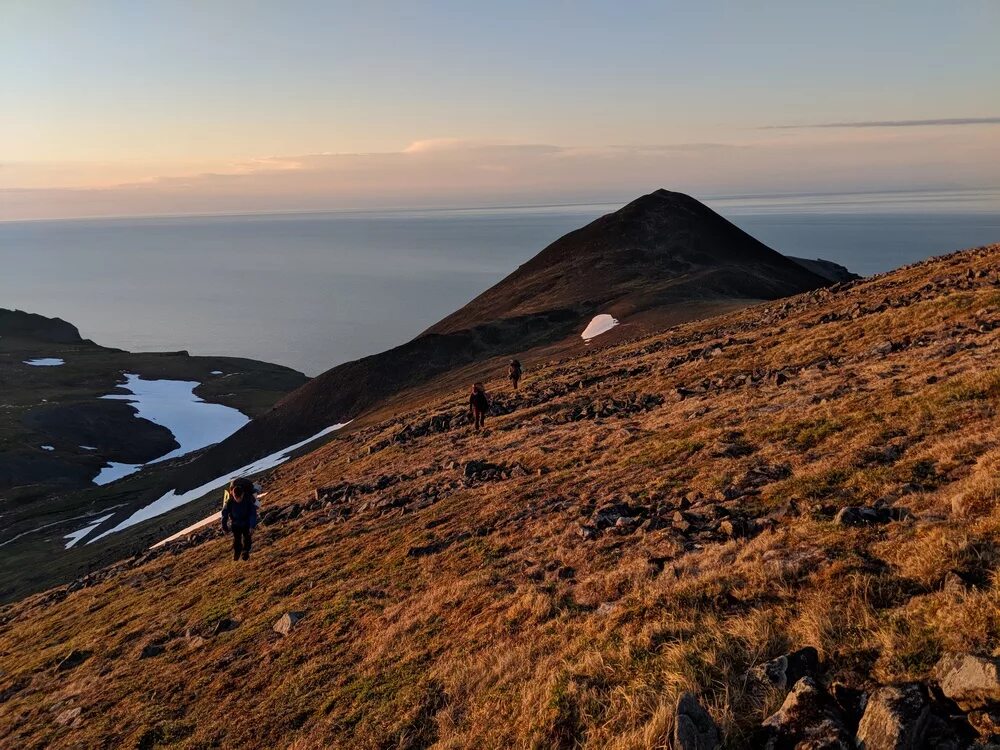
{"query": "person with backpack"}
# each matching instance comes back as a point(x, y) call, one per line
point(514, 372)
point(239, 511)
point(479, 404)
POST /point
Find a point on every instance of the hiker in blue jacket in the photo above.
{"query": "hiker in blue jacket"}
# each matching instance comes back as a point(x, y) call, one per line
point(239, 510)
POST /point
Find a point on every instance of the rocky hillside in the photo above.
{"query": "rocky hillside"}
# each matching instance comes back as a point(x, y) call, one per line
point(776, 528)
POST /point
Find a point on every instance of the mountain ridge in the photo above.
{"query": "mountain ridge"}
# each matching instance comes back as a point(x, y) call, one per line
point(658, 253)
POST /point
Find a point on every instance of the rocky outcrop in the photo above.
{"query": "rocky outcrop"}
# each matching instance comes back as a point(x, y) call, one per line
point(895, 718)
point(784, 671)
point(973, 682)
point(809, 719)
point(694, 728)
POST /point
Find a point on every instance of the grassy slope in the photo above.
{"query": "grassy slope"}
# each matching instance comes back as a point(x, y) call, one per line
point(516, 632)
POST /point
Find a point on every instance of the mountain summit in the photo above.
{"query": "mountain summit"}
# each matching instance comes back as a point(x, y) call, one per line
point(658, 250)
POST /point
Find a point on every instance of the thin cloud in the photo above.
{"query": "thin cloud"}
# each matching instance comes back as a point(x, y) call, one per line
point(891, 123)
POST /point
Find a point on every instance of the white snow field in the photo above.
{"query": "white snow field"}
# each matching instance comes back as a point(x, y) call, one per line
point(114, 471)
point(45, 362)
point(172, 500)
point(79, 534)
point(600, 324)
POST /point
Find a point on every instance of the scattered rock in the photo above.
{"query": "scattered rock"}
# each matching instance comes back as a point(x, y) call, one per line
point(694, 728)
point(856, 515)
point(986, 723)
point(150, 650)
point(287, 622)
point(808, 719)
point(784, 671)
point(973, 682)
point(72, 660)
point(852, 702)
point(223, 625)
point(70, 716)
point(895, 718)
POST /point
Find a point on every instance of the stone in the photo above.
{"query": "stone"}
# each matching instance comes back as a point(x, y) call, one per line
point(986, 723)
point(809, 719)
point(70, 716)
point(223, 625)
point(852, 702)
point(694, 728)
point(72, 660)
point(973, 682)
point(895, 718)
point(855, 516)
point(287, 623)
point(586, 532)
point(608, 515)
point(150, 650)
point(784, 671)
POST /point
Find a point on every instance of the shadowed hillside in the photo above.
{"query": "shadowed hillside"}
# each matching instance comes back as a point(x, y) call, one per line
point(788, 511)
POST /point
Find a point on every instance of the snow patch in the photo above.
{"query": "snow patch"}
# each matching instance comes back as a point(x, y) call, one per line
point(600, 324)
point(202, 523)
point(114, 471)
point(45, 362)
point(216, 372)
point(173, 500)
point(88, 447)
point(48, 448)
point(76, 536)
point(188, 529)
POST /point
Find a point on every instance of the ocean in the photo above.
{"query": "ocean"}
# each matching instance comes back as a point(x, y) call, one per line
point(312, 290)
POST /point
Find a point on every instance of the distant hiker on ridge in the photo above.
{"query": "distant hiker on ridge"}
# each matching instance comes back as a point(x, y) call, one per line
point(479, 404)
point(239, 507)
point(514, 372)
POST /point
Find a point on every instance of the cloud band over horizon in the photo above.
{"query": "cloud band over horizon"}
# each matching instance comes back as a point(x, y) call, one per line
point(452, 172)
point(941, 121)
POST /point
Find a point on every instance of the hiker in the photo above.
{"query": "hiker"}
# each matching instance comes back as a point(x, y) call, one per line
point(479, 404)
point(239, 509)
point(514, 372)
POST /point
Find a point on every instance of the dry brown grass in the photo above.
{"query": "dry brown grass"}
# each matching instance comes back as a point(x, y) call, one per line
point(519, 633)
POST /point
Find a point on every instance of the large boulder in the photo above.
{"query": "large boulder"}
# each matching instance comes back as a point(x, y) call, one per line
point(287, 622)
point(809, 719)
point(694, 729)
point(895, 718)
point(784, 671)
point(973, 682)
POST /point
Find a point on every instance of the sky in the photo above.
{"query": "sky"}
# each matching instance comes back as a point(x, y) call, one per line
point(125, 108)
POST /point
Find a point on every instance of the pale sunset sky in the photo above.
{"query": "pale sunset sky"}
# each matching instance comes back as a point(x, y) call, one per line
point(157, 107)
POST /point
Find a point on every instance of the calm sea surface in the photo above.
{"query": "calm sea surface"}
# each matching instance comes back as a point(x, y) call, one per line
point(314, 290)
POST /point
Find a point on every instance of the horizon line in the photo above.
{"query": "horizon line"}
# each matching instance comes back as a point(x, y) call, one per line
point(496, 207)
